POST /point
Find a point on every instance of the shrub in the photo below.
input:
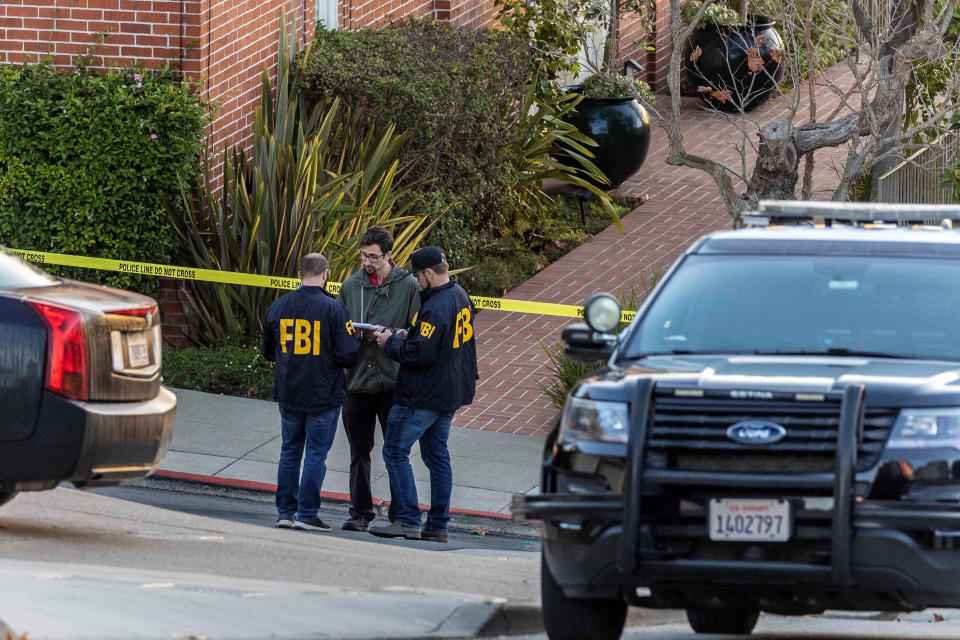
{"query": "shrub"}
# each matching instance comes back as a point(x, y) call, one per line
point(477, 142)
point(233, 369)
point(565, 373)
point(86, 161)
point(595, 87)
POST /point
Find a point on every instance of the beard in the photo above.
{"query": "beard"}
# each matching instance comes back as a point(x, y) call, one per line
point(369, 269)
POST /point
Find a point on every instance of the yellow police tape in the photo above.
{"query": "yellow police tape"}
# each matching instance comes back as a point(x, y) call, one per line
point(230, 277)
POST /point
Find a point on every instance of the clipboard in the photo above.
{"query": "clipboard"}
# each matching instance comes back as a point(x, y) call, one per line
point(363, 326)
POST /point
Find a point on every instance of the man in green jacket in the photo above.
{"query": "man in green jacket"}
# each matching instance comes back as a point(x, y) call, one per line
point(381, 294)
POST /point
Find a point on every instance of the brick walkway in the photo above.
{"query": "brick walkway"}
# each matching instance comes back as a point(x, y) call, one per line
point(684, 204)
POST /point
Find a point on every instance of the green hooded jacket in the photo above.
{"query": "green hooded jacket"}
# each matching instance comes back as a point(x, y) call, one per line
point(393, 305)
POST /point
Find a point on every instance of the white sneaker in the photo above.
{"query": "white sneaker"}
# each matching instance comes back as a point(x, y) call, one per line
point(314, 524)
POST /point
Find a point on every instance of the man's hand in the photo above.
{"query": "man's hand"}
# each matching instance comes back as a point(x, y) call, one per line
point(382, 336)
point(370, 333)
point(402, 334)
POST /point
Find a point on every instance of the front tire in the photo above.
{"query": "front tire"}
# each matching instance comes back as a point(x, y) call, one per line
point(578, 618)
point(727, 621)
point(7, 496)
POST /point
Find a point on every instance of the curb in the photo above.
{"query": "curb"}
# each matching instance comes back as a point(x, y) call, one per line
point(526, 618)
point(513, 619)
point(233, 487)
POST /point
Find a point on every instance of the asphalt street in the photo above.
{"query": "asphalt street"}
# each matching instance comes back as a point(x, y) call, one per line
point(943, 624)
point(258, 509)
point(84, 565)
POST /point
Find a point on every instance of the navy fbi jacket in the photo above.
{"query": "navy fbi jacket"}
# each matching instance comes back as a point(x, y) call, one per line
point(438, 359)
point(310, 337)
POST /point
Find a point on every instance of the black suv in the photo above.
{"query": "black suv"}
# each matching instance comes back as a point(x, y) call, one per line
point(777, 430)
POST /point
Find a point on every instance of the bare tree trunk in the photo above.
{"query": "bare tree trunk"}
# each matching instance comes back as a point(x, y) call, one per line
point(906, 21)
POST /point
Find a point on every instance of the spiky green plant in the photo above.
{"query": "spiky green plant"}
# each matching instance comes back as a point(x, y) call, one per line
point(548, 147)
point(309, 184)
point(565, 373)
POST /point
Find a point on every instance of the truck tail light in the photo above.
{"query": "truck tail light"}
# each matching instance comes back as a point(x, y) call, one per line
point(66, 373)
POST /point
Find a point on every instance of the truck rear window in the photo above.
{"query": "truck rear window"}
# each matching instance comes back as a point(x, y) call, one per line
point(894, 306)
point(17, 274)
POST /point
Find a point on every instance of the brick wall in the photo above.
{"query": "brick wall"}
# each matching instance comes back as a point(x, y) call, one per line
point(645, 40)
point(238, 39)
point(658, 60)
point(633, 41)
point(473, 14)
point(113, 32)
point(223, 43)
point(359, 14)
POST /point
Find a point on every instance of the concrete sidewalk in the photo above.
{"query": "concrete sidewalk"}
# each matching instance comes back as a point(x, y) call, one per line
point(236, 442)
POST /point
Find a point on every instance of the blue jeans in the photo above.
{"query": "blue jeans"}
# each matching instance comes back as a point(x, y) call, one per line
point(404, 427)
point(302, 499)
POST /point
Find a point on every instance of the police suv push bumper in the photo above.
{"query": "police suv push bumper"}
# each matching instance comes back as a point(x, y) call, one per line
point(870, 547)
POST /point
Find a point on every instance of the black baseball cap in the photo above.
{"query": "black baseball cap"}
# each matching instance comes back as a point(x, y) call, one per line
point(426, 258)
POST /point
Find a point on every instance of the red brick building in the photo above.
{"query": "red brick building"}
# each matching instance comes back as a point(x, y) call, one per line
point(223, 43)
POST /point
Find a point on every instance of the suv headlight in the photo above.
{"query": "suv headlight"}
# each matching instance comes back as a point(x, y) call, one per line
point(927, 428)
point(594, 420)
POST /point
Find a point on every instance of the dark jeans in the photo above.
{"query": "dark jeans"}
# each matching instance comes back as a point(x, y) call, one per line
point(316, 431)
point(360, 416)
point(432, 429)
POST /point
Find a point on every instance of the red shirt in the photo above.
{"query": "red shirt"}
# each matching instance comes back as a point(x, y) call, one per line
point(374, 279)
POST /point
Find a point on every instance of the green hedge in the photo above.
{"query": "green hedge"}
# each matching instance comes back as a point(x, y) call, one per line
point(88, 162)
point(233, 369)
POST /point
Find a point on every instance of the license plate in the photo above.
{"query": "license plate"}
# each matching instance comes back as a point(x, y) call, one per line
point(749, 519)
point(137, 352)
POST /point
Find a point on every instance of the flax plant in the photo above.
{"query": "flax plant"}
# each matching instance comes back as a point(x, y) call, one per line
point(549, 148)
point(309, 184)
point(566, 373)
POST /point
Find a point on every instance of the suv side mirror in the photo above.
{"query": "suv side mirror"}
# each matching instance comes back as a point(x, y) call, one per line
point(583, 344)
point(593, 341)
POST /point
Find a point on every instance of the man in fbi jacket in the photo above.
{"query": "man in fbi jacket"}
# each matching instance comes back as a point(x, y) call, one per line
point(438, 374)
point(310, 337)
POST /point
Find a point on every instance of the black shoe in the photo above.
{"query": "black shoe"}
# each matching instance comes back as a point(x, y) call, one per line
point(355, 524)
point(314, 524)
point(284, 522)
point(394, 530)
point(433, 535)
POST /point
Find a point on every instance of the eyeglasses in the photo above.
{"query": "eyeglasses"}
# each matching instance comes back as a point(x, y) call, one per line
point(372, 257)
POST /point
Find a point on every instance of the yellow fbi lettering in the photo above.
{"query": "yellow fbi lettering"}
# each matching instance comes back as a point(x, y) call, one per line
point(464, 331)
point(427, 329)
point(305, 336)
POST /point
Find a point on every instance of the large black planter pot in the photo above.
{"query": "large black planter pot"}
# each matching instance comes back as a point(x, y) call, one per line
point(621, 129)
point(723, 66)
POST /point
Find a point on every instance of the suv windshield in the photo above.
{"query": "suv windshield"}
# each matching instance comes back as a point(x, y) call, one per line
point(805, 304)
point(17, 274)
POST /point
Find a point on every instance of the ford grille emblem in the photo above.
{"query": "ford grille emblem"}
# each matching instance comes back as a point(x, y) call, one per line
point(756, 432)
